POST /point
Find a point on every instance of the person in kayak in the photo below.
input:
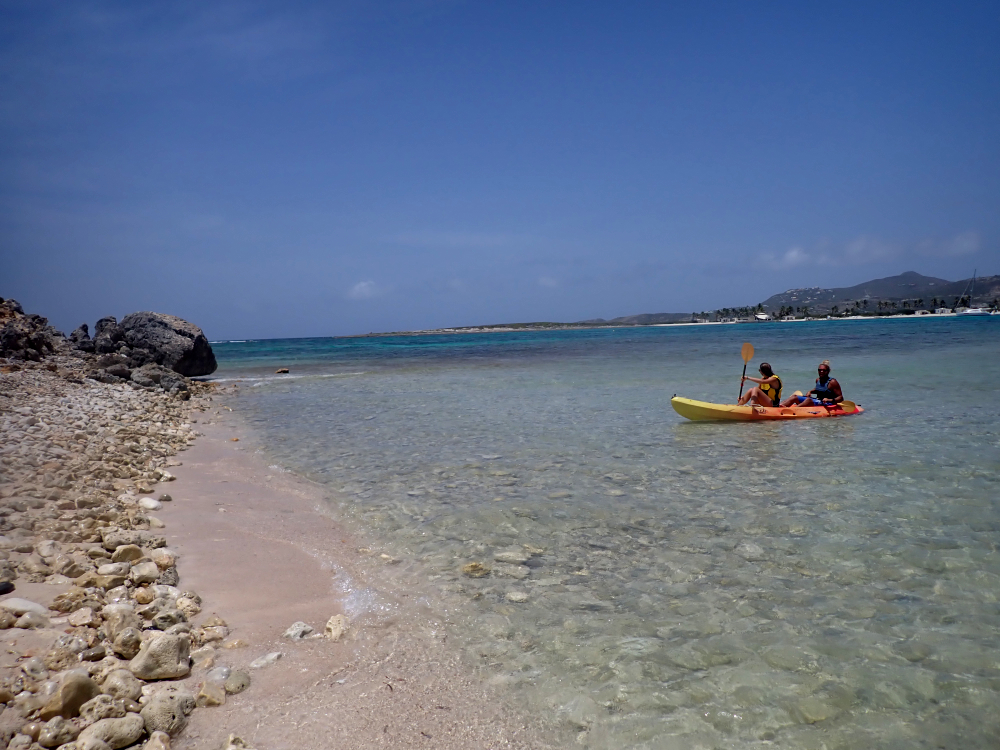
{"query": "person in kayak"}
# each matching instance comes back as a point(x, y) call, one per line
point(768, 390)
point(826, 393)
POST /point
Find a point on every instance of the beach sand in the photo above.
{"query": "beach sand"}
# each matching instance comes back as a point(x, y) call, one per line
point(258, 546)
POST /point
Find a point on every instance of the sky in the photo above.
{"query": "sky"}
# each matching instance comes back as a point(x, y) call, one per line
point(332, 168)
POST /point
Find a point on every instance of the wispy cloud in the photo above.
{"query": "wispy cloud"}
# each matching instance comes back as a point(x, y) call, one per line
point(965, 243)
point(866, 249)
point(548, 282)
point(363, 290)
point(796, 256)
point(453, 240)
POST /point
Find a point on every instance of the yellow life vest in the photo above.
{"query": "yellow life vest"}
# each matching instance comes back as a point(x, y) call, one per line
point(772, 391)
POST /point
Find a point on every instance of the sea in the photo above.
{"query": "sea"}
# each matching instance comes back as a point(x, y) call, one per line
point(649, 582)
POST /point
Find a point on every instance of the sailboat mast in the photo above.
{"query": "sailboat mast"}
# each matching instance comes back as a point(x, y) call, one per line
point(970, 289)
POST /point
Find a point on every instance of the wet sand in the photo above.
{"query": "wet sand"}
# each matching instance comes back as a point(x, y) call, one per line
point(262, 552)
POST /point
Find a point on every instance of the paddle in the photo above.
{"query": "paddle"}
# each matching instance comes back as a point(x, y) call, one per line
point(747, 352)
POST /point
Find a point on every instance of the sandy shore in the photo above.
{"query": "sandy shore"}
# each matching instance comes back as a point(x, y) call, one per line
point(262, 551)
point(109, 600)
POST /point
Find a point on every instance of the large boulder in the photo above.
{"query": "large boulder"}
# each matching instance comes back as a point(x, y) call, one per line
point(169, 341)
point(108, 335)
point(27, 337)
point(80, 339)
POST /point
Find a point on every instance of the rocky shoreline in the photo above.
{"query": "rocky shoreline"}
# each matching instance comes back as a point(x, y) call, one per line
point(98, 628)
point(105, 646)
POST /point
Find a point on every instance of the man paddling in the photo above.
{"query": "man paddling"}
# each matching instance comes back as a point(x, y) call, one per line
point(826, 393)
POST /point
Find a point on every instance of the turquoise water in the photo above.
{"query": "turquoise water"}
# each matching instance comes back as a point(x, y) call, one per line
point(658, 583)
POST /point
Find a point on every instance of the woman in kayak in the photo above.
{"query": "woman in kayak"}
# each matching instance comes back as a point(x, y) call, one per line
point(826, 393)
point(767, 392)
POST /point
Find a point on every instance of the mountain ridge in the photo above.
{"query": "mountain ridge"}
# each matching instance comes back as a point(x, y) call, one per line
point(908, 286)
point(906, 291)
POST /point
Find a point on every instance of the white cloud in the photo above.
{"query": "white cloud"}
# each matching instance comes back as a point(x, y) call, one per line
point(868, 249)
point(965, 243)
point(796, 256)
point(450, 240)
point(363, 290)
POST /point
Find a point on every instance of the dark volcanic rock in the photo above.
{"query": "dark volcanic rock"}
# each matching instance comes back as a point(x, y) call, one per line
point(108, 335)
point(80, 339)
point(152, 375)
point(119, 371)
point(169, 341)
point(26, 336)
point(80, 334)
point(105, 326)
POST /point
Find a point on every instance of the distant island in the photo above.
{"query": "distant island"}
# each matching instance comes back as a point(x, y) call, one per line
point(909, 293)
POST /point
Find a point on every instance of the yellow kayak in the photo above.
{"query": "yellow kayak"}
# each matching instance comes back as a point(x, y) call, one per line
point(703, 411)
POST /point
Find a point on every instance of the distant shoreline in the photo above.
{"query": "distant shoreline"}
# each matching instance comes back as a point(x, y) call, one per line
point(516, 328)
point(570, 327)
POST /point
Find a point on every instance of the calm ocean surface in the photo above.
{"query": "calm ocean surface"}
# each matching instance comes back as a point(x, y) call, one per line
point(658, 583)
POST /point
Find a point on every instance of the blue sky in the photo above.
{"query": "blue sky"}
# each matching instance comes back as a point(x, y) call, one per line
point(298, 168)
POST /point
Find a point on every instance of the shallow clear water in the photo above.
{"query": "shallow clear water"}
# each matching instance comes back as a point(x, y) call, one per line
point(658, 583)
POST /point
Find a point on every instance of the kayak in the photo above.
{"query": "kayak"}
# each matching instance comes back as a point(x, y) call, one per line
point(702, 411)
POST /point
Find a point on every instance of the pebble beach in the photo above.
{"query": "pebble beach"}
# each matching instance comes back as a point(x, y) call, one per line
point(164, 589)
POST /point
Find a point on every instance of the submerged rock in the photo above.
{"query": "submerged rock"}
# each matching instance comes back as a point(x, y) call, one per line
point(476, 570)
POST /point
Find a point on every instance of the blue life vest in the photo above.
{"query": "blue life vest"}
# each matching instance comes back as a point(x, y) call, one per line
point(822, 391)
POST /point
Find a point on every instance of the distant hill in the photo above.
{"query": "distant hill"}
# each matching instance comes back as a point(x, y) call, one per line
point(912, 288)
point(646, 319)
point(907, 291)
point(916, 290)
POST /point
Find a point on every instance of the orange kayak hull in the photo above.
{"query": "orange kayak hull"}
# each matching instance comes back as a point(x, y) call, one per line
point(703, 411)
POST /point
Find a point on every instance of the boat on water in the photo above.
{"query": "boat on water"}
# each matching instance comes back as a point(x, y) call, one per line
point(970, 292)
point(703, 411)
